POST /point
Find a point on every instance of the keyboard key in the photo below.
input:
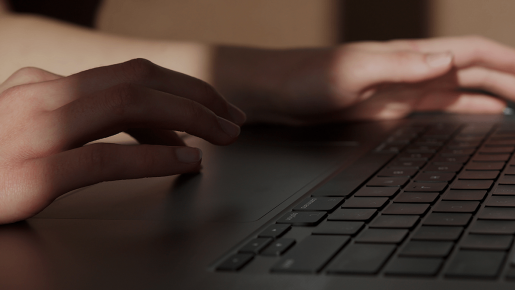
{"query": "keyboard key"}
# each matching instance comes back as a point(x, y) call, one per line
point(456, 206)
point(255, 246)
point(510, 273)
point(501, 143)
point(428, 142)
point(443, 167)
point(406, 208)
point(510, 170)
point(347, 181)
point(447, 219)
point(278, 247)
point(421, 149)
point(464, 195)
point(274, 231)
point(377, 191)
point(467, 174)
point(454, 152)
point(471, 184)
point(491, 157)
point(389, 147)
point(426, 187)
point(500, 201)
point(437, 233)
point(421, 156)
point(235, 262)
point(427, 249)
point(476, 264)
point(463, 144)
point(487, 242)
point(394, 221)
point(386, 236)
point(416, 197)
point(504, 190)
point(455, 159)
point(310, 255)
point(338, 228)
point(388, 181)
point(302, 218)
point(388, 172)
point(506, 149)
point(365, 202)
point(484, 166)
point(361, 259)
point(469, 138)
point(435, 177)
point(414, 266)
point(507, 179)
point(350, 214)
point(318, 204)
point(406, 164)
point(496, 227)
point(497, 213)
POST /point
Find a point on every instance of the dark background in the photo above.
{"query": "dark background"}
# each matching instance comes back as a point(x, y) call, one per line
point(361, 19)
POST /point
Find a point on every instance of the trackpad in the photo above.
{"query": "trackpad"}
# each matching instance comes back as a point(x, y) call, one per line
point(238, 183)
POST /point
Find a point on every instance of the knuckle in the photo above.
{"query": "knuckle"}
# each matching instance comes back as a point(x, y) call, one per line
point(137, 69)
point(14, 92)
point(403, 57)
point(29, 75)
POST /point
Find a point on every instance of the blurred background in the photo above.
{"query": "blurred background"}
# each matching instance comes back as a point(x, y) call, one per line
point(286, 23)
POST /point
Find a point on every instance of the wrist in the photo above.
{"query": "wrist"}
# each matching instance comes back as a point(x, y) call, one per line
point(252, 79)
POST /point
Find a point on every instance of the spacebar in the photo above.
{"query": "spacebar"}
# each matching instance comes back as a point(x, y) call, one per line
point(345, 182)
point(310, 255)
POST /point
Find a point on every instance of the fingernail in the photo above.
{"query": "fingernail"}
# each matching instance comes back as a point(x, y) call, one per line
point(439, 59)
point(231, 129)
point(188, 154)
point(237, 115)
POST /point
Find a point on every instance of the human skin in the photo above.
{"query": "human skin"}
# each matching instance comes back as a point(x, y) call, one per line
point(49, 120)
point(48, 117)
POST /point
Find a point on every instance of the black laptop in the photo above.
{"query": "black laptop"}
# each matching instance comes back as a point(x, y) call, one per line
point(426, 202)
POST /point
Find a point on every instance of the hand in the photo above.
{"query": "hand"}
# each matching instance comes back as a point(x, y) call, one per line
point(46, 120)
point(386, 80)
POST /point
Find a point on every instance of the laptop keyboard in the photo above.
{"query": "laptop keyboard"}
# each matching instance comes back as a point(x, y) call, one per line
point(432, 200)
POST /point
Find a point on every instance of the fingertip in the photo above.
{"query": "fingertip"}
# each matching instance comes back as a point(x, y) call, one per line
point(439, 60)
point(478, 104)
point(188, 154)
point(231, 129)
point(237, 115)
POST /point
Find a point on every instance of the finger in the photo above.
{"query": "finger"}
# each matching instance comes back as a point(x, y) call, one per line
point(476, 104)
point(143, 73)
point(473, 51)
point(28, 75)
point(155, 137)
point(362, 71)
point(99, 162)
point(496, 82)
point(126, 106)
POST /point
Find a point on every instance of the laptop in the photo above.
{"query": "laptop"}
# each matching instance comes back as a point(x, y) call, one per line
point(420, 203)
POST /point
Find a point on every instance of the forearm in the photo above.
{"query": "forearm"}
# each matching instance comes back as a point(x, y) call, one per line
point(253, 79)
point(265, 83)
point(65, 49)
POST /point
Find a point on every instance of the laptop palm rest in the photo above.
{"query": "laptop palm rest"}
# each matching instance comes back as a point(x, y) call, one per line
point(238, 183)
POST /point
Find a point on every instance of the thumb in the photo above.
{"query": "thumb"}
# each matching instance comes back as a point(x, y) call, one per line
point(406, 67)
